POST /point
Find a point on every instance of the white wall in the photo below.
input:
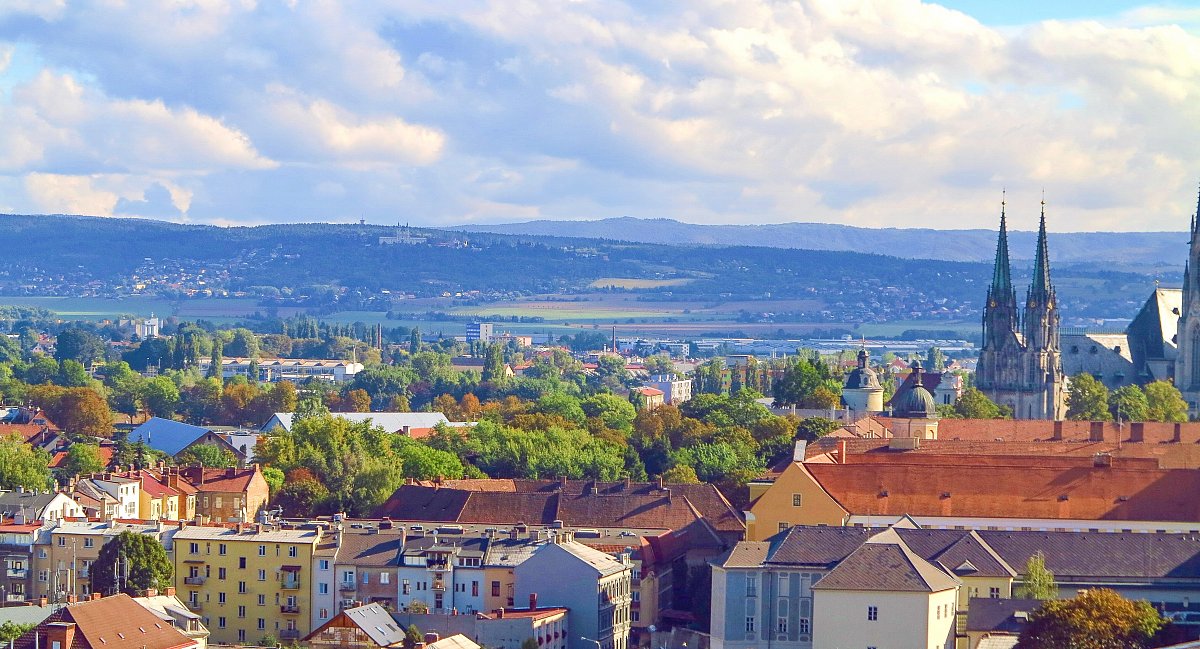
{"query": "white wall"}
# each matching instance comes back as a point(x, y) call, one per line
point(905, 621)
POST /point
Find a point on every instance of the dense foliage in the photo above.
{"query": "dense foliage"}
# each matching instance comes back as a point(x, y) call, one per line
point(131, 563)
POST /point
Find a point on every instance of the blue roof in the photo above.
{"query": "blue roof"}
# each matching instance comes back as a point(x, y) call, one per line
point(165, 435)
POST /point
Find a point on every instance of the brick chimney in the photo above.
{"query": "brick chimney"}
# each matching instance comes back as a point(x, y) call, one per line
point(43, 601)
point(1137, 431)
point(533, 601)
point(151, 592)
point(60, 635)
point(1178, 436)
point(500, 613)
point(1058, 431)
point(169, 591)
point(1096, 431)
point(841, 451)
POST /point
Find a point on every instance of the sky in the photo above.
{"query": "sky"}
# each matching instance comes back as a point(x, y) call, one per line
point(880, 114)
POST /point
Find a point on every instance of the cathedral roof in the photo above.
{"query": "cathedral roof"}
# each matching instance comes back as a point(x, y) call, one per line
point(1041, 288)
point(1001, 273)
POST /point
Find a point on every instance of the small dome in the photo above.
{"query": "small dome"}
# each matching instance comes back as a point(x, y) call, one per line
point(862, 377)
point(916, 402)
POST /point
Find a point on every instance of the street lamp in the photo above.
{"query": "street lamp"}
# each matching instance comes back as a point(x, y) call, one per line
point(598, 645)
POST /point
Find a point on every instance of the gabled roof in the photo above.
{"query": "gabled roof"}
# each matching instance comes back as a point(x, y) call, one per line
point(115, 622)
point(228, 480)
point(603, 564)
point(29, 502)
point(378, 549)
point(995, 615)
point(166, 435)
point(392, 422)
point(375, 621)
point(747, 554)
point(885, 563)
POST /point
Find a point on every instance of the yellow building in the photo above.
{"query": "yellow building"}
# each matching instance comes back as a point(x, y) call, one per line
point(248, 582)
point(795, 497)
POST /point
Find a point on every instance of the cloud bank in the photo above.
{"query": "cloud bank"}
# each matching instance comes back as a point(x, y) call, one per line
point(895, 113)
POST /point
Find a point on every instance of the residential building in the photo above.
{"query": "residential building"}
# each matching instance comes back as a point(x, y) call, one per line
point(480, 332)
point(172, 437)
point(170, 609)
point(115, 622)
point(362, 627)
point(997, 621)
point(247, 581)
point(504, 628)
point(592, 585)
point(16, 546)
point(65, 551)
point(367, 563)
point(676, 390)
point(126, 491)
point(651, 398)
point(227, 495)
point(325, 600)
point(296, 370)
point(25, 505)
point(1020, 362)
point(442, 571)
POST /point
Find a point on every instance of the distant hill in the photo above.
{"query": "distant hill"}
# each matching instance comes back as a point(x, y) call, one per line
point(1126, 248)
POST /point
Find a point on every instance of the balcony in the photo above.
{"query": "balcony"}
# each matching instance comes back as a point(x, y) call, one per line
point(17, 573)
point(348, 587)
point(194, 580)
point(290, 609)
point(289, 634)
point(195, 605)
point(439, 585)
point(83, 573)
point(289, 584)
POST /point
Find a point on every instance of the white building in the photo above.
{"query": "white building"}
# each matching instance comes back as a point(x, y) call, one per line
point(594, 586)
point(675, 390)
point(480, 332)
point(296, 370)
point(444, 572)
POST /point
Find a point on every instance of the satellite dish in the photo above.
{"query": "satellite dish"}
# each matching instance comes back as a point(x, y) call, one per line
point(651, 628)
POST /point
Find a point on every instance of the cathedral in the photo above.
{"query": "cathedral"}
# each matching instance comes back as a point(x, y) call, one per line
point(1020, 363)
point(1187, 359)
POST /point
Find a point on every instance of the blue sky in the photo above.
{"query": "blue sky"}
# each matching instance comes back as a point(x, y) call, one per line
point(873, 113)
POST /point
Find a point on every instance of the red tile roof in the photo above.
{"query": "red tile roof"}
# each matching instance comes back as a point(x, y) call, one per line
point(217, 479)
point(115, 622)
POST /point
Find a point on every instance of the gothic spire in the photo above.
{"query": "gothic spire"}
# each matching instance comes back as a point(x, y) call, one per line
point(1001, 275)
point(1040, 288)
point(1195, 218)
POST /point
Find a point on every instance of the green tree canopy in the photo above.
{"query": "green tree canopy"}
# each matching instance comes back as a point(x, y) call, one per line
point(79, 345)
point(1128, 403)
point(1087, 399)
point(21, 465)
point(1037, 582)
point(83, 459)
point(131, 563)
point(1098, 618)
point(1164, 402)
point(209, 455)
point(974, 404)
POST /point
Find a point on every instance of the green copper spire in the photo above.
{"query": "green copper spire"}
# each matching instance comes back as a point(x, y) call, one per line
point(1001, 275)
point(1040, 288)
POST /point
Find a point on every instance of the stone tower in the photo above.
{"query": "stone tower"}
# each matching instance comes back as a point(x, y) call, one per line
point(1187, 363)
point(862, 392)
point(1020, 364)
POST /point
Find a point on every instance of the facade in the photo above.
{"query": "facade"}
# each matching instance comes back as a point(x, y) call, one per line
point(1187, 364)
point(367, 564)
point(651, 397)
point(16, 546)
point(561, 573)
point(168, 608)
point(27, 505)
point(64, 553)
point(444, 572)
point(675, 390)
point(227, 495)
point(247, 582)
point(862, 392)
point(480, 332)
point(1020, 363)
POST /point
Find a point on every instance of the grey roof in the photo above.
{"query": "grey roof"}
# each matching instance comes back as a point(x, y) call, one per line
point(1082, 555)
point(389, 421)
point(377, 623)
point(166, 435)
point(885, 563)
point(1105, 356)
point(27, 614)
point(603, 564)
point(30, 502)
point(378, 549)
point(994, 615)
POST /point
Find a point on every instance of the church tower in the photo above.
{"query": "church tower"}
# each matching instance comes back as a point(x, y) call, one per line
point(1187, 363)
point(1020, 364)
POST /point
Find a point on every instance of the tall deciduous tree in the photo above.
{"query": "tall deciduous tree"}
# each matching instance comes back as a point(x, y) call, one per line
point(21, 465)
point(974, 404)
point(131, 563)
point(1087, 399)
point(1128, 403)
point(1098, 618)
point(83, 459)
point(1038, 582)
point(1164, 402)
point(207, 455)
point(81, 346)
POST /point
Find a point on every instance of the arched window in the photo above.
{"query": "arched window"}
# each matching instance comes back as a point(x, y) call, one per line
point(1194, 361)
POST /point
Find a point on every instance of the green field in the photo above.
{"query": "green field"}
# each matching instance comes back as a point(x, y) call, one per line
point(633, 283)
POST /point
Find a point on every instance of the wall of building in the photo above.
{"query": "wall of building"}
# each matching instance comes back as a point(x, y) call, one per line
point(904, 620)
point(775, 505)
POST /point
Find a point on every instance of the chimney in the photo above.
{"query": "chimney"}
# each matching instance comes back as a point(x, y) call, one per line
point(1137, 431)
point(95, 596)
point(841, 451)
point(169, 591)
point(628, 482)
point(1058, 431)
point(1096, 432)
point(258, 528)
point(500, 613)
point(71, 599)
point(60, 635)
point(151, 592)
point(431, 638)
point(43, 601)
point(1178, 436)
point(533, 601)
point(660, 482)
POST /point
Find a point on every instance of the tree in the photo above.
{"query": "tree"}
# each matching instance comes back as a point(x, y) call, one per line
point(83, 459)
point(1038, 582)
point(1087, 399)
point(1128, 403)
point(1098, 618)
point(10, 631)
point(131, 563)
point(357, 401)
point(274, 478)
point(76, 410)
point(681, 474)
point(309, 407)
point(21, 465)
point(974, 404)
point(414, 341)
point(161, 397)
point(813, 428)
point(81, 346)
point(209, 455)
point(301, 497)
point(1164, 402)
point(215, 365)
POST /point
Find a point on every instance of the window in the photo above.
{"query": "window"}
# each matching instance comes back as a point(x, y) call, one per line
point(262, 574)
point(994, 592)
point(292, 551)
point(262, 624)
point(220, 573)
point(241, 635)
point(474, 589)
point(44, 575)
point(241, 563)
point(751, 586)
point(221, 549)
point(241, 587)
point(324, 614)
point(783, 525)
point(384, 578)
point(193, 548)
point(803, 625)
point(495, 588)
point(636, 616)
point(797, 499)
point(262, 550)
point(89, 543)
point(221, 622)
point(217, 501)
point(42, 553)
point(749, 625)
point(241, 611)
point(781, 625)
point(221, 598)
point(323, 564)
point(262, 600)
point(404, 587)
point(323, 588)
point(62, 542)
point(366, 577)
point(872, 613)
